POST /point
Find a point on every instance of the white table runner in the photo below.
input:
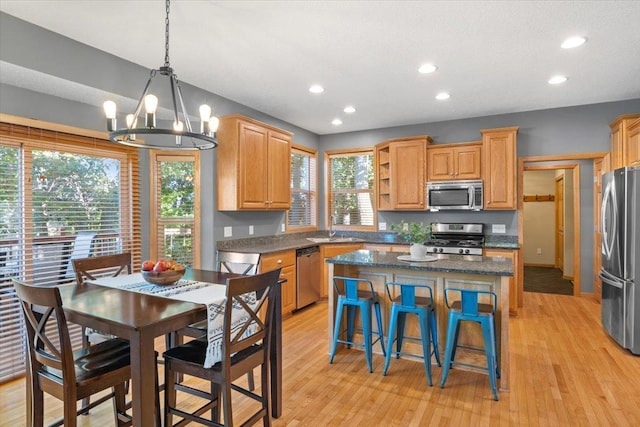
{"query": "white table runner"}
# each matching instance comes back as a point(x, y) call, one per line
point(212, 295)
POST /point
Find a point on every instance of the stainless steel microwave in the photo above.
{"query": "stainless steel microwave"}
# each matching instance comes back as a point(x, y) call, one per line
point(454, 195)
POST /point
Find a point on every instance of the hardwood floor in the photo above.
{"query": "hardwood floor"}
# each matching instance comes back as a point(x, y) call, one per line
point(565, 371)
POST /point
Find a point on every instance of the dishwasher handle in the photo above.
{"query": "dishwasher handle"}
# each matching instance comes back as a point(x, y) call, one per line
point(307, 251)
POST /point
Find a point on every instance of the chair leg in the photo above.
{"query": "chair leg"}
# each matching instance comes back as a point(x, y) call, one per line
point(85, 343)
point(393, 318)
point(169, 393)
point(251, 381)
point(120, 405)
point(433, 325)
point(336, 329)
point(365, 311)
point(351, 322)
point(264, 374)
point(402, 318)
point(226, 401)
point(489, 350)
point(425, 333)
point(451, 343)
point(380, 329)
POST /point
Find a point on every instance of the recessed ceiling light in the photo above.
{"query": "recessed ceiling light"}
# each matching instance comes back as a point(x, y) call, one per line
point(427, 68)
point(442, 96)
point(556, 80)
point(336, 122)
point(316, 89)
point(349, 109)
point(572, 42)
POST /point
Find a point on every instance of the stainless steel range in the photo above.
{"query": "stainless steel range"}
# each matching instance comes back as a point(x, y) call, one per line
point(454, 238)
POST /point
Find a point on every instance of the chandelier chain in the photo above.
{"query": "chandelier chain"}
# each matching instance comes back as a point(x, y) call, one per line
point(166, 34)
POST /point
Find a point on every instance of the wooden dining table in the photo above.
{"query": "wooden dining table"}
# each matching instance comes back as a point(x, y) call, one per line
point(140, 318)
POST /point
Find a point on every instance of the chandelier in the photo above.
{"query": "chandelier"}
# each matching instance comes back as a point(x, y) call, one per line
point(170, 138)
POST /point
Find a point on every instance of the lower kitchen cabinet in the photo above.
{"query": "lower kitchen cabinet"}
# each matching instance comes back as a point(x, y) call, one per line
point(386, 247)
point(329, 251)
point(513, 281)
point(287, 261)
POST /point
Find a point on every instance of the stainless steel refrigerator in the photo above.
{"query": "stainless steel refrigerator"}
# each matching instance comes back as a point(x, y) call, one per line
point(621, 256)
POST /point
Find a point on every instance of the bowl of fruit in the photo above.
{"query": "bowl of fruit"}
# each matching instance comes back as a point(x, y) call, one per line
point(163, 272)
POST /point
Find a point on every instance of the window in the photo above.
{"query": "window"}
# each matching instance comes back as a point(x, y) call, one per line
point(303, 213)
point(351, 190)
point(62, 196)
point(175, 207)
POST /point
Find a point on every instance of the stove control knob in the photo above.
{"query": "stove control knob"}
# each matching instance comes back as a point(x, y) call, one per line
point(441, 250)
point(435, 250)
point(461, 251)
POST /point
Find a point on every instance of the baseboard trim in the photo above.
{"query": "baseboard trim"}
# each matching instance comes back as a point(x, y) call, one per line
point(570, 278)
point(540, 265)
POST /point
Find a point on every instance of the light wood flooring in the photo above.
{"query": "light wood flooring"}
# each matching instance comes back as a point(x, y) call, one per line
point(565, 371)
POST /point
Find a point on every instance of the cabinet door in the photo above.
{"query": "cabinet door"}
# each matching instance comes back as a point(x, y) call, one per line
point(407, 174)
point(633, 144)
point(253, 152)
point(279, 167)
point(329, 251)
point(499, 168)
point(466, 162)
point(440, 164)
point(513, 281)
point(287, 261)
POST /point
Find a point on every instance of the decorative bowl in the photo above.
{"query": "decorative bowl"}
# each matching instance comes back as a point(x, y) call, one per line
point(167, 277)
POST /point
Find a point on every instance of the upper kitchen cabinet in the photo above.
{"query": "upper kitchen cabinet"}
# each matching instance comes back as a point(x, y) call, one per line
point(454, 161)
point(633, 144)
point(253, 165)
point(621, 149)
point(499, 168)
point(401, 173)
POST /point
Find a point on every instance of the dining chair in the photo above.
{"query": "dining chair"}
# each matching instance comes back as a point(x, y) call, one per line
point(226, 262)
point(90, 269)
point(245, 346)
point(470, 308)
point(409, 301)
point(54, 368)
point(350, 298)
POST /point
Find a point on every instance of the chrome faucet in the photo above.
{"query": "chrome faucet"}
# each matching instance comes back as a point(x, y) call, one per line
point(332, 232)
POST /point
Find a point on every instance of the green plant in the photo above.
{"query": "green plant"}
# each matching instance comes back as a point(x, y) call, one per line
point(412, 232)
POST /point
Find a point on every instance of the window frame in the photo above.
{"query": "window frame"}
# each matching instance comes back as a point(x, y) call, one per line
point(156, 156)
point(309, 152)
point(353, 152)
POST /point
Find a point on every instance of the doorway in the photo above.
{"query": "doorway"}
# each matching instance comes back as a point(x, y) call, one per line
point(549, 227)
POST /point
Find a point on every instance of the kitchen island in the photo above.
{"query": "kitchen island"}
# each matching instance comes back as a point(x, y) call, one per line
point(482, 273)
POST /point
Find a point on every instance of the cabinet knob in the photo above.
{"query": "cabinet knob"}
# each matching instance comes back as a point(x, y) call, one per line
point(279, 261)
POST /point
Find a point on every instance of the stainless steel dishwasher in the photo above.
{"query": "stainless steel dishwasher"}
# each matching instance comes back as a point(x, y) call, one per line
point(307, 276)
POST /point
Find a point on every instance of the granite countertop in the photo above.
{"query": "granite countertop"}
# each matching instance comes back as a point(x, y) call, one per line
point(283, 242)
point(492, 266)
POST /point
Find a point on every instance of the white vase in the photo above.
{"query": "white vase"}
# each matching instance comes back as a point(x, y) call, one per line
point(418, 251)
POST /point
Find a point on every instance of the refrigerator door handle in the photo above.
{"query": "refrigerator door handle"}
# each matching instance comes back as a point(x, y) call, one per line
point(607, 239)
point(610, 279)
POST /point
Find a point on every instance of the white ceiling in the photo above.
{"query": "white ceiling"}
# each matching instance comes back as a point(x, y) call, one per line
point(493, 56)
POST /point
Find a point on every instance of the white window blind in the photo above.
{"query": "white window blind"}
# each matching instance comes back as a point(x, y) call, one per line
point(351, 195)
point(62, 197)
point(303, 212)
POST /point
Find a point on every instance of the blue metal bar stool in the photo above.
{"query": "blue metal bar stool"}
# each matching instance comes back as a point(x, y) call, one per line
point(353, 298)
point(470, 309)
point(407, 302)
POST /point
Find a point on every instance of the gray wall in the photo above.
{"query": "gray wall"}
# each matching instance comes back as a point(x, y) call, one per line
point(546, 132)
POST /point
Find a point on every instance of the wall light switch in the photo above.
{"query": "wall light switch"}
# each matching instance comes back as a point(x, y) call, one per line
point(382, 226)
point(539, 251)
point(282, 228)
point(251, 230)
point(228, 231)
point(498, 228)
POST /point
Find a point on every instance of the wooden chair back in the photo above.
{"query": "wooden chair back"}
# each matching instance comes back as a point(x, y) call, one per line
point(235, 262)
point(254, 295)
point(93, 267)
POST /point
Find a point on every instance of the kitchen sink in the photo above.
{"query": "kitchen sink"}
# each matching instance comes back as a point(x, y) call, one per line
point(334, 239)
